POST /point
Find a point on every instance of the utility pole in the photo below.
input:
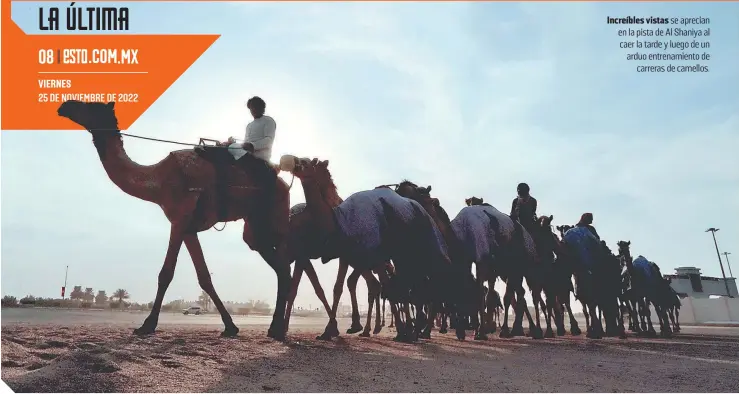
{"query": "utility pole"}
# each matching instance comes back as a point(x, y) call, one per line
point(66, 271)
point(726, 257)
point(713, 230)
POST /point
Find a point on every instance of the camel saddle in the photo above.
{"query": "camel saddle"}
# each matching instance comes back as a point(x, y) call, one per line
point(228, 170)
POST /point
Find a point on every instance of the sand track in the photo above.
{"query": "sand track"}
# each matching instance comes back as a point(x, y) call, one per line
point(99, 358)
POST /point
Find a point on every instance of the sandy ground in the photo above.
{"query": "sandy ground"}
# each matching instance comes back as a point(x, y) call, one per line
point(84, 351)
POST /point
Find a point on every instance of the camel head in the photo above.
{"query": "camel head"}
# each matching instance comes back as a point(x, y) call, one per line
point(474, 201)
point(94, 117)
point(97, 118)
point(623, 248)
point(420, 194)
point(563, 229)
point(306, 169)
point(546, 221)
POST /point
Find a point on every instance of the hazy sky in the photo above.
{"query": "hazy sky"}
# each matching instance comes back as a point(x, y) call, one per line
point(471, 98)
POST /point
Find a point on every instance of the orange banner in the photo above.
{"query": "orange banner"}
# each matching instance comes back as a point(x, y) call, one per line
point(39, 72)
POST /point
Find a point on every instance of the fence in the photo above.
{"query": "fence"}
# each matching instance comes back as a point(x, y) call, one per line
point(708, 310)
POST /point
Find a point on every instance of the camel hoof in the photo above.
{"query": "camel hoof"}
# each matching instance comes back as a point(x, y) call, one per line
point(365, 334)
point(481, 337)
point(549, 333)
point(230, 332)
point(575, 331)
point(443, 331)
point(144, 330)
point(651, 333)
point(517, 332)
point(324, 337)
point(561, 332)
point(354, 329)
point(536, 333)
point(425, 335)
point(377, 330)
point(665, 334)
point(622, 335)
point(461, 334)
point(592, 334)
point(504, 333)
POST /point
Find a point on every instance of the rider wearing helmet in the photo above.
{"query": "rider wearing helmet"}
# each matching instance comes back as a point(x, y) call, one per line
point(523, 208)
point(586, 220)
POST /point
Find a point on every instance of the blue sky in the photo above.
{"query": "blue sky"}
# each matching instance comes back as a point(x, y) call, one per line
point(471, 98)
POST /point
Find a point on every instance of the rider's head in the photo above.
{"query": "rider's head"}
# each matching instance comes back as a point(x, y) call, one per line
point(523, 190)
point(256, 106)
point(586, 218)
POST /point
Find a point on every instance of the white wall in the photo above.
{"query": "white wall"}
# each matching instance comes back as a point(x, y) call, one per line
point(707, 310)
point(710, 287)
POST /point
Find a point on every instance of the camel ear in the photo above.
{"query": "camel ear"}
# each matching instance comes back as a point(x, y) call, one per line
point(481, 200)
point(111, 105)
point(428, 189)
point(551, 218)
point(325, 163)
point(435, 201)
point(467, 201)
point(628, 243)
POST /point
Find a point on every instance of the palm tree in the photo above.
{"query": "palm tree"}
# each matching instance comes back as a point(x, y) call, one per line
point(121, 294)
point(204, 300)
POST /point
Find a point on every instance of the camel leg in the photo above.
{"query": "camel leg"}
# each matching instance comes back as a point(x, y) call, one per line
point(596, 328)
point(332, 326)
point(370, 306)
point(276, 260)
point(400, 330)
point(507, 299)
point(176, 237)
point(384, 301)
point(373, 289)
point(351, 283)
point(294, 284)
point(201, 269)
point(549, 311)
point(480, 332)
point(574, 327)
point(648, 314)
point(338, 289)
point(535, 330)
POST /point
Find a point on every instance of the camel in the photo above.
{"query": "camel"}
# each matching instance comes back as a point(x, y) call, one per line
point(511, 255)
point(586, 255)
point(673, 305)
point(375, 226)
point(648, 286)
point(303, 247)
point(183, 185)
point(441, 219)
point(562, 263)
point(559, 284)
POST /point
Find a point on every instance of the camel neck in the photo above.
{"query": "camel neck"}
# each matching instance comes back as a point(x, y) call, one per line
point(132, 178)
point(319, 208)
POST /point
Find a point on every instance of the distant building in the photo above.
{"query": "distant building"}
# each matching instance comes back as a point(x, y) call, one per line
point(688, 282)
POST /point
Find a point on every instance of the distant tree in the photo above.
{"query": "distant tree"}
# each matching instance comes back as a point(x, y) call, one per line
point(89, 295)
point(121, 294)
point(28, 300)
point(101, 298)
point(204, 300)
point(10, 301)
point(77, 294)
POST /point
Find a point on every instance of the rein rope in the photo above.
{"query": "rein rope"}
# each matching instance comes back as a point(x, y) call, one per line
point(292, 180)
